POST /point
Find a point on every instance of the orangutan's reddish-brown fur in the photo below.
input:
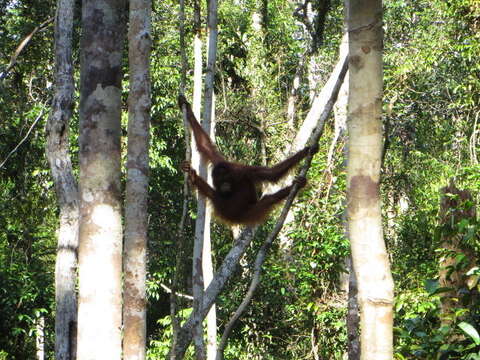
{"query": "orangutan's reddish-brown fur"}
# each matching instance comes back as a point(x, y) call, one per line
point(234, 194)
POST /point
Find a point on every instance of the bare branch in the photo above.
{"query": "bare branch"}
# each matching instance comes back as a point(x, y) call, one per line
point(177, 294)
point(23, 44)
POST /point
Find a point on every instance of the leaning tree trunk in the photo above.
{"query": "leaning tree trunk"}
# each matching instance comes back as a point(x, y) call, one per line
point(369, 255)
point(136, 224)
point(65, 186)
point(100, 251)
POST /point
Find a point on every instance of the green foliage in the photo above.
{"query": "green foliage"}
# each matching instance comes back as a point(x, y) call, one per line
point(418, 333)
point(160, 343)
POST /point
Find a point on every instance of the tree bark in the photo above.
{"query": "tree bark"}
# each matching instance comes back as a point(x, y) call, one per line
point(40, 337)
point(209, 124)
point(57, 150)
point(370, 258)
point(136, 224)
point(100, 251)
point(197, 75)
point(202, 262)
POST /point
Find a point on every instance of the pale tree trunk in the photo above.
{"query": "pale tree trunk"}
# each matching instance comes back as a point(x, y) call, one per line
point(256, 55)
point(207, 264)
point(202, 228)
point(369, 255)
point(100, 251)
point(197, 76)
point(57, 130)
point(40, 337)
point(202, 258)
point(136, 223)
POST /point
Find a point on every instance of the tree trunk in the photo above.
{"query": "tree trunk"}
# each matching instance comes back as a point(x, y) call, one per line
point(57, 130)
point(176, 302)
point(211, 318)
point(40, 337)
point(100, 252)
point(197, 76)
point(136, 224)
point(370, 259)
point(209, 123)
point(202, 262)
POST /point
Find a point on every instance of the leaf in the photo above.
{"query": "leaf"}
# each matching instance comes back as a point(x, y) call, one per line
point(431, 285)
point(470, 331)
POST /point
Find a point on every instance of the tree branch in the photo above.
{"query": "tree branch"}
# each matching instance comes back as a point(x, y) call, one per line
point(23, 44)
point(23, 140)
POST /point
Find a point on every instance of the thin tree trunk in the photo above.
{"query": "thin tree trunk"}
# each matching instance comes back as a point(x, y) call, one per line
point(23, 44)
point(370, 258)
point(209, 124)
point(211, 318)
point(100, 251)
point(318, 106)
point(40, 337)
point(320, 102)
point(197, 76)
point(202, 247)
point(136, 224)
point(65, 185)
